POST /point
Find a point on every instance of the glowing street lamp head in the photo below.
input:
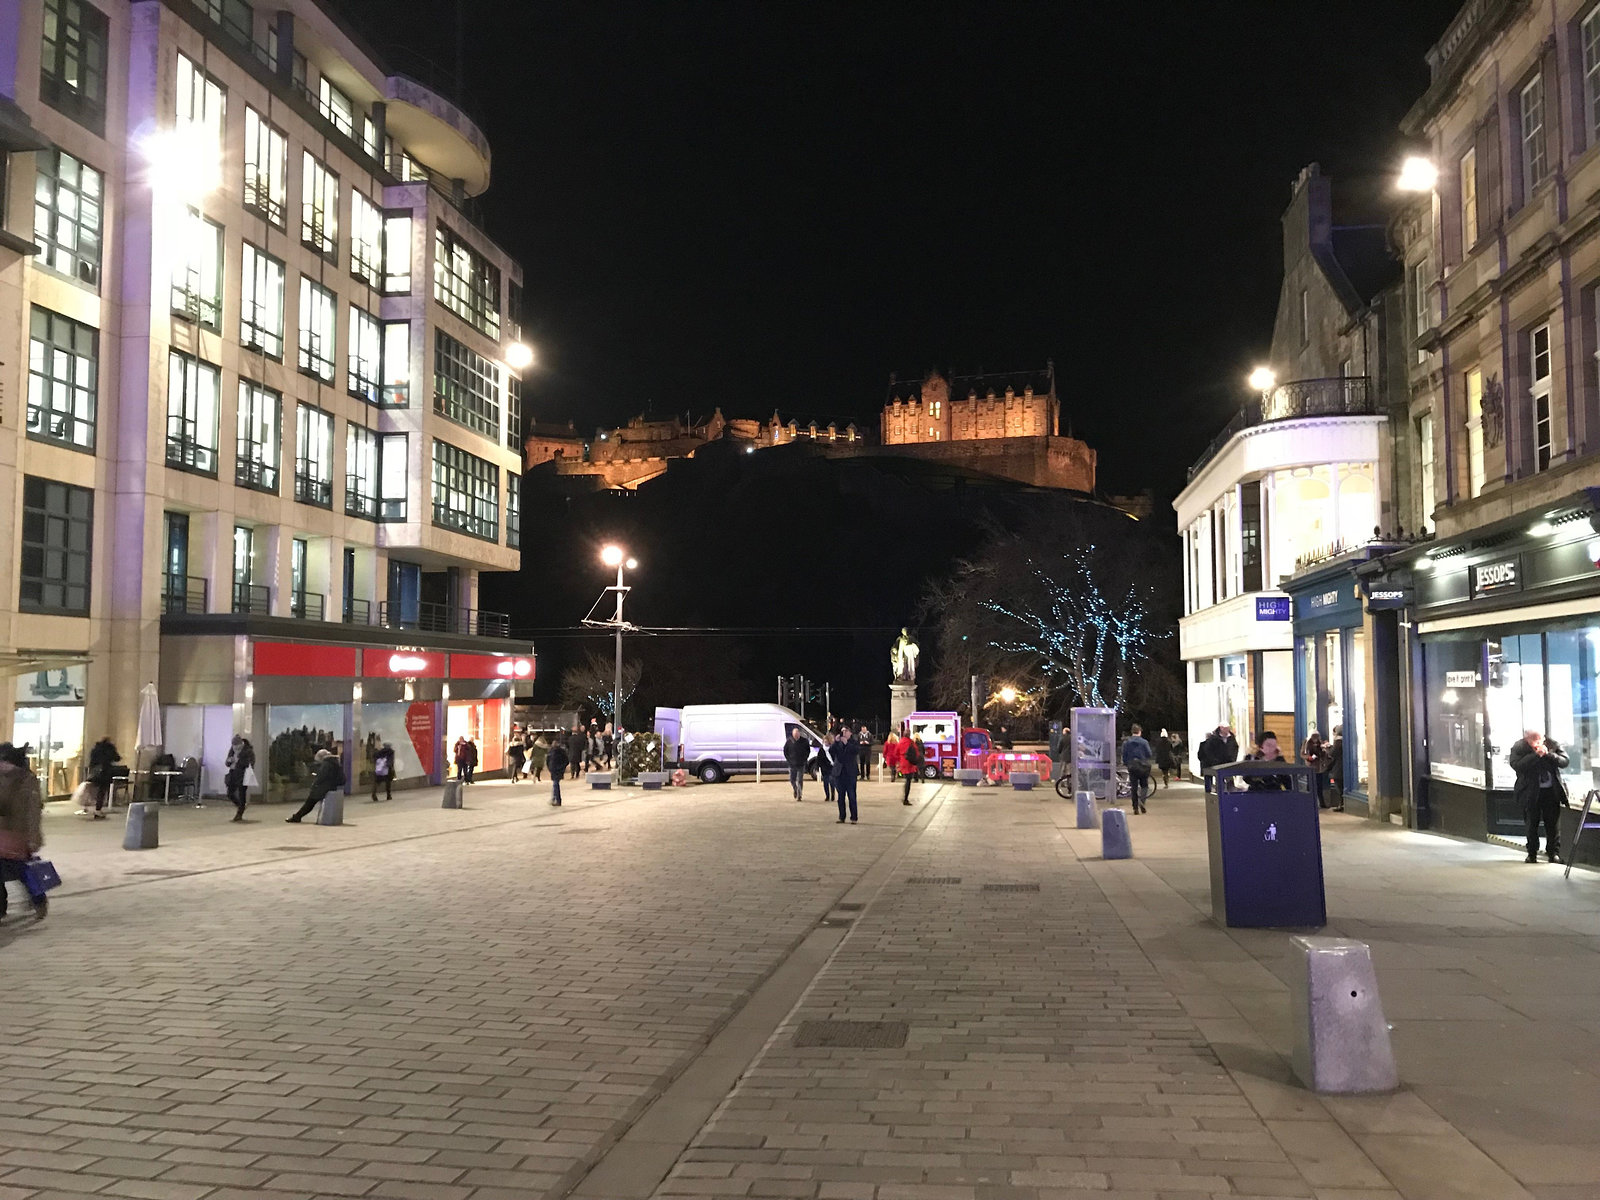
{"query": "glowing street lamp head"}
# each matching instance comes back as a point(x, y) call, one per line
point(181, 163)
point(1263, 379)
point(519, 356)
point(1008, 694)
point(611, 556)
point(1417, 174)
point(631, 563)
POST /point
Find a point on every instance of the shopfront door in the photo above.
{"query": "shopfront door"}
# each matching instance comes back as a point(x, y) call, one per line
point(49, 718)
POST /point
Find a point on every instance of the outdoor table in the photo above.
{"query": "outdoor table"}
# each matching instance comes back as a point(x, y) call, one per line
point(166, 787)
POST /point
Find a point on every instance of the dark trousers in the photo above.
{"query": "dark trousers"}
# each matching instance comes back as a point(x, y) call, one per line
point(577, 766)
point(464, 772)
point(1546, 808)
point(314, 799)
point(911, 777)
point(1139, 785)
point(844, 788)
point(555, 788)
point(797, 780)
point(865, 771)
point(388, 786)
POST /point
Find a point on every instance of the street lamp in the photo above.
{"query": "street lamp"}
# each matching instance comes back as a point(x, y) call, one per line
point(1008, 695)
point(182, 163)
point(1417, 174)
point(1263, 379)
point(615, 556)
point(519, 356)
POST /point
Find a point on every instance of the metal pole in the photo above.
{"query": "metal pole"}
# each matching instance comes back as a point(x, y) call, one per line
point(827, 701)
point(977, 716)
point(616, 691)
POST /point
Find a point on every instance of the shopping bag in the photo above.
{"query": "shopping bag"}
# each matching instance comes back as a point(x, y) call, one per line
point(39, 876)
point(83, 795)
point(250, 780)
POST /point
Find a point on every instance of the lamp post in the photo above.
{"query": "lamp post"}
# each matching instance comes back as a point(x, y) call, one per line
point(616, 556)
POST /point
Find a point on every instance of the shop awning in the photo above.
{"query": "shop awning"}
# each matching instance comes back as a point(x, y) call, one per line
point(25, 662)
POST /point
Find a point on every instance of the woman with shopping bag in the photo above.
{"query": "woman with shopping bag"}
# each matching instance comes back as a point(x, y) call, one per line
point(21, 828)
point(240, 774)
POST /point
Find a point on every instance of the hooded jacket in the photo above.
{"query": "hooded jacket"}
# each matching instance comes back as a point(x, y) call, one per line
point(21, 805)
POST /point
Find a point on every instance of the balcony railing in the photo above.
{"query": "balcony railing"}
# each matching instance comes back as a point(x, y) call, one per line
point(445, 618)
point(188, 454)
point(307, 606)
point(251, 599)
point(358, 498)
point(253, 468)
point(1345, 396)
point(308, 489)
point(357, 612)
point(183, 594)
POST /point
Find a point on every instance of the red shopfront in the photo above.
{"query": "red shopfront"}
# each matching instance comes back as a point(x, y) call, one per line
point(481, 696)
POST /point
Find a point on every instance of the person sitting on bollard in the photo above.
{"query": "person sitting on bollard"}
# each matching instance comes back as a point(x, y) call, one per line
point(556, 760)
point(1136, 757)
point(383, 772)
point(21, 823)
point(327, 775)
point(1538, 762)
point(1267, 744)
point(797, 753)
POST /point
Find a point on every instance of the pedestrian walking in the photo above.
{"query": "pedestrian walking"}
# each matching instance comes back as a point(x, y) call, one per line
point(577, 741)
point(21, 824)
point(1166, 758)
point(1219, 747)
point(102, 756)
point(241, 758)
point(515, 755)
point(823, 765)
point(1538, 762)
point(556, 760)
point(846, 757)
point(797, 753)
point(1136, 757)
point(1266, 750)
point(1314, 753)
point(466, 759)
point(1057, 750)
point(912, 756)
point(383, 772)
point(327, 774)
point(1180, 757)
point(1333, 755)
point(538, 754)
point(891, 752)
point(864, 744)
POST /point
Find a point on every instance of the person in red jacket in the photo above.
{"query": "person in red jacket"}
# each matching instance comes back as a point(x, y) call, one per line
point(912, 756)
point(891, 752)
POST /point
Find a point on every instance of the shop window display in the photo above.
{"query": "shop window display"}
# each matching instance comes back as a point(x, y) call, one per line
point(1573, 658)
point(1454, 679)
point(1355, 725)
point(1513, 700)
point(408, 728)
point(295, 732)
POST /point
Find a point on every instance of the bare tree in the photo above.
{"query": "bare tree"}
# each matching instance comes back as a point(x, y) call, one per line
point(588, 684)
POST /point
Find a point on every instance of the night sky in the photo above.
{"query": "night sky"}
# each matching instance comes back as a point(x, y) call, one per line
point(760, 205)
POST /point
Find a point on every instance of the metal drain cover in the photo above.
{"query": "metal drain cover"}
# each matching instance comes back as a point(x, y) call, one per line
point(1011, 887)
point(160, 871)
point(934, 879)
point(852, 1035)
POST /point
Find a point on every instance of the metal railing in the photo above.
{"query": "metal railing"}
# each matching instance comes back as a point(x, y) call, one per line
point(251, 599)
point(183, 594)
point(308, 489)
point(359, 501)
point(251, 471)
point(188, 454)
point(445, 618)
point(307, 606)
point(1343, 396)
point(357, 612)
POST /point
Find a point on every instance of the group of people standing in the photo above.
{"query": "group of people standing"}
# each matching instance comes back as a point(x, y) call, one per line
point(845, 758)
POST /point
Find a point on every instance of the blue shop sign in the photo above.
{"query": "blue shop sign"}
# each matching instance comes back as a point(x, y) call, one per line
point(1272, 608)
point(1330, 604)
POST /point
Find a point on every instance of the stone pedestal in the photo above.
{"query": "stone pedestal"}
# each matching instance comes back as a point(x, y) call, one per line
point(902, 703)
point(1341, 1041)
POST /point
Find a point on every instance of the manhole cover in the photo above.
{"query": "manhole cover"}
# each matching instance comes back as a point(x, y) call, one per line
point(934, 879)
point(287, 849)
point(852, 1035)
point(1011, 887)
point(849, 907)
point(837, 920)
point(802, 879)
point(160, 871)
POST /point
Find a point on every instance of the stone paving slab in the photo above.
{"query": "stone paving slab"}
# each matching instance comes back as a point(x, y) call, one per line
point(440, 1003)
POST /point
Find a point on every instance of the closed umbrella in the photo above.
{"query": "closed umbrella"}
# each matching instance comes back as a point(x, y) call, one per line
point(149, 717)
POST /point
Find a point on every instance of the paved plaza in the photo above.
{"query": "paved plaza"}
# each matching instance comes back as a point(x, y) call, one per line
point(622, 998)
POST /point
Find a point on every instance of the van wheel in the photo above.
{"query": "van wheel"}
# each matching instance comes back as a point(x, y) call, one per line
point(929, 771)
point(711, 772)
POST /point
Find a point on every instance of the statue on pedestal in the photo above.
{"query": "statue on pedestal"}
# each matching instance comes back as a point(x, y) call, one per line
point(903, 658)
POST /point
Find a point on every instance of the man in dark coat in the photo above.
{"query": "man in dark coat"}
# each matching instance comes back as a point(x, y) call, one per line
point(797, 753)
point(556, 759)
point(383, 772)
point(1268, 752)
point(864, 745)
point(1219, 747)
point(577, 744)
point(1538, 762)
point(328, 775)
point(101, 757)
point(846, 755)
point(1136, 757)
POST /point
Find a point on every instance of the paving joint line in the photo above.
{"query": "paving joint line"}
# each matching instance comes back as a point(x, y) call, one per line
point(634, 1163)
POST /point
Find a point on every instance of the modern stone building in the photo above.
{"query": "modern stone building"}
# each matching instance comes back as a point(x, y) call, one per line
point(259, 433)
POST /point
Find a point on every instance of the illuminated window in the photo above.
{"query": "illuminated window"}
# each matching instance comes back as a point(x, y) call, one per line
point(72, 66)
point(1535, 156)
point(466, 386)
point(313, 456)
point(260, 414)
point(397, 253)
point(197, 272)
point(1469, 200)
point(466, 492)
point(360, 472)
point(261, 303)
point(514, 412)
point(319, 214)
point(513, 510)
point(366, 240)
point(192, 395)
point(266, 168)
point(335, 106)
point(57, 547)
point(466, 283)
point(63, 378)
point(1425, 470)
point(1589, 35)
point(1539, 361)
point(318, 330)
point(366, 356)
point(234, 16)
point(1474, 432)
point(199, 100)
point(67, 215)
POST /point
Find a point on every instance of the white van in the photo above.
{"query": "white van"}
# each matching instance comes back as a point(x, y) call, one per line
point(718, 740)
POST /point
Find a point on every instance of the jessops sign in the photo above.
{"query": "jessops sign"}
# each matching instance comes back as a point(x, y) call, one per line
point(1491, 577)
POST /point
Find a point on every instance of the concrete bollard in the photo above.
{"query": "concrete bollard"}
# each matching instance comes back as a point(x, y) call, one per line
point(143, 830)
point(600, 781)
point(969, 776)
point(452, 794)
point(1114, 839)
point(651, 781)
point(1341, 1041)
point(1088, 814)
point(1023, 781)
point(331, 810)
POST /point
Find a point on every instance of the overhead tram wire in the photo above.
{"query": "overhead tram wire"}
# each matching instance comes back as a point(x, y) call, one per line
point(578, 631)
